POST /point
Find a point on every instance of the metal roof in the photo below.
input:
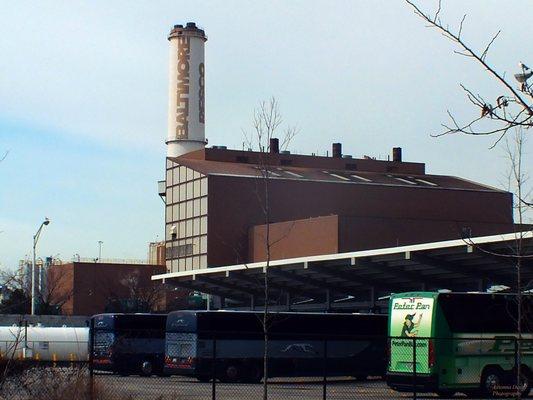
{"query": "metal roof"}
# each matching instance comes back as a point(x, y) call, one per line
point(358, 279)
point(329, 175)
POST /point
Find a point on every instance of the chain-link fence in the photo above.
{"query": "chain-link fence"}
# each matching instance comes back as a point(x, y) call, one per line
point(339, 368)
point(477, 367)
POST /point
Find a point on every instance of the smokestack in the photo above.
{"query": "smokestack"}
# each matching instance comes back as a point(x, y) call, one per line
point(274, 145)
point(186, 92)
point(397, 154)
point(336, 150)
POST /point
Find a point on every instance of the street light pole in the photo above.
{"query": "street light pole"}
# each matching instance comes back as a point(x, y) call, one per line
point(35, 239)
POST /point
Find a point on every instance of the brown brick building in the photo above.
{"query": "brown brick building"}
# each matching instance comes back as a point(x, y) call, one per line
point(317, 205)
point(85, 288)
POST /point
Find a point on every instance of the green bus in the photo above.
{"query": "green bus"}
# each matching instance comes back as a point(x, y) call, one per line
point(459, 342)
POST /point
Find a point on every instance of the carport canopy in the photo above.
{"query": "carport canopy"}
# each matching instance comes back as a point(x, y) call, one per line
point(361, 280)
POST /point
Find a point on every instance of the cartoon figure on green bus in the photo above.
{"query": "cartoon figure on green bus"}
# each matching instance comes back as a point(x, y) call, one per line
point(410, 328)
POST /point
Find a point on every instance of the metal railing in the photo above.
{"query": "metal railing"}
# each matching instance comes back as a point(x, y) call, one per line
point(108, 260)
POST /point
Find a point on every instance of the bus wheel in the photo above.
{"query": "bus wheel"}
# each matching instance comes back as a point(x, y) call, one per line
point(231, 373)
point(254, 375)
point(146, 368)
point(490, 379)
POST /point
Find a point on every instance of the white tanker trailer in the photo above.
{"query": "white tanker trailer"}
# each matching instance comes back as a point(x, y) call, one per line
point(38, 343)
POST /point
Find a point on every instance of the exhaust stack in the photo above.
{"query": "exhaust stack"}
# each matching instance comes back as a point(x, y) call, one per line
point(336, 150)
point(186, 93)
point(397, 154)
point(274, 145)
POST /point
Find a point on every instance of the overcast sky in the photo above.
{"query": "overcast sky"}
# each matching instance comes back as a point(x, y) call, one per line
point(83, 100)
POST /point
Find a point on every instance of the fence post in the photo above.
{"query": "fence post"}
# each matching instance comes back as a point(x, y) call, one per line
point(26, 335)
point(325, 366)
point(214, 371)
point(414, 368)
point(517, 362)
point(91, 355)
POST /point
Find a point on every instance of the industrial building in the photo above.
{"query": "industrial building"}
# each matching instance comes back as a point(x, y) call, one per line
point(343, 231)
point(317, 205)
point(87, 288)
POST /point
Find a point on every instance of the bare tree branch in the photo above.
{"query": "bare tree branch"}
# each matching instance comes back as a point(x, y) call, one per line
point(501, 112)
point(485, 52)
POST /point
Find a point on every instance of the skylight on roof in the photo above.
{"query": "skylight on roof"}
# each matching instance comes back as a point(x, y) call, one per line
point(404, 180)
point(336, 176)
point(266, 170)
point(426, 182)
point(361, 178)
point(293, 174)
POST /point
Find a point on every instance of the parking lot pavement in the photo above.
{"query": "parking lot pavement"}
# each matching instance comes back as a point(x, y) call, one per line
point(177, 388)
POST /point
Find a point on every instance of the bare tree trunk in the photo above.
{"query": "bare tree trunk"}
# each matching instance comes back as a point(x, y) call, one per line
point(511, 111)
point(267, 297)
point(266, 122)
point(519, 183)
point(517, 179)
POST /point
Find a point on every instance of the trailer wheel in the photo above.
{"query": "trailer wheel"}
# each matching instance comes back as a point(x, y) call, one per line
point(146, 368)
point(491, 378)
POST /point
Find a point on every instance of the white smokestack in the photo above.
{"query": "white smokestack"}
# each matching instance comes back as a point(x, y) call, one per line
point(186, 93)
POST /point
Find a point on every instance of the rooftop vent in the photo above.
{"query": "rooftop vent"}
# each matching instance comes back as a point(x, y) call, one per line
point(346, 156)
point(285, 152)
point(220, 147)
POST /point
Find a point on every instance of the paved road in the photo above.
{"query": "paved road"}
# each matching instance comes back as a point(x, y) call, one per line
point(177, 388)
